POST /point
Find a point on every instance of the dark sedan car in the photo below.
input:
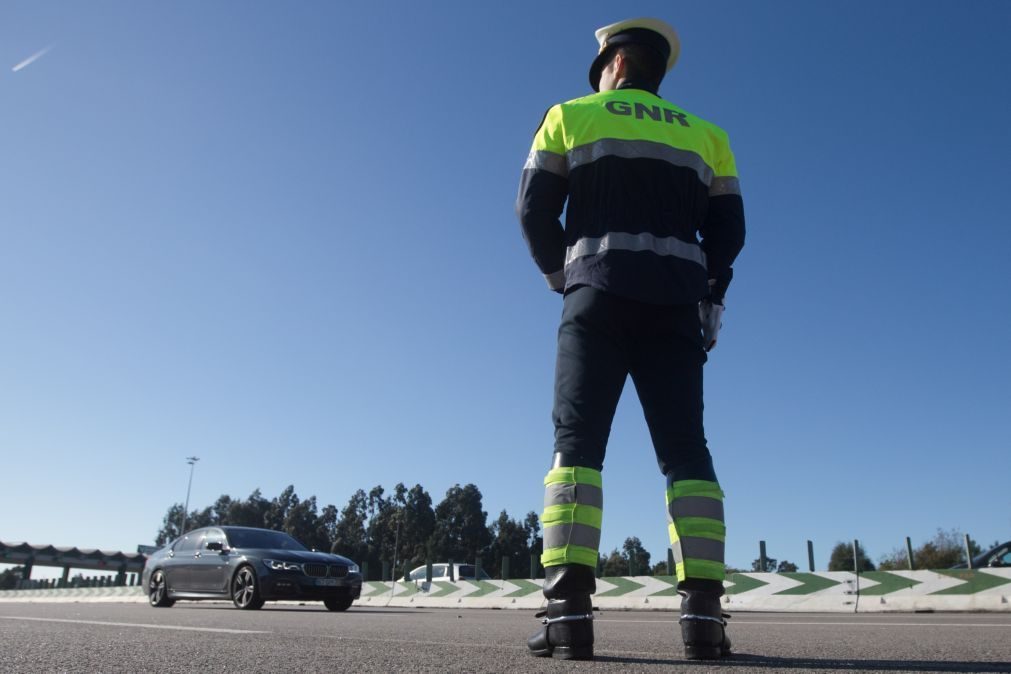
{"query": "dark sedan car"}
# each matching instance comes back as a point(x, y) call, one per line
point(994, 558)
point(248, 566)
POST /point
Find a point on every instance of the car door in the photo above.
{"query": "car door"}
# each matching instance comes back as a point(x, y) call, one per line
point(210, 567)
point(1001, 557)
point(179, 569)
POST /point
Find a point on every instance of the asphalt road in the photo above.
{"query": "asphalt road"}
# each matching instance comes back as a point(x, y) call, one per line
point(104, 637)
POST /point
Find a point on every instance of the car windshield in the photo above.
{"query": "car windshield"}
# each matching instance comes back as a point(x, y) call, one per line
point(469, 570)
point(265, 540)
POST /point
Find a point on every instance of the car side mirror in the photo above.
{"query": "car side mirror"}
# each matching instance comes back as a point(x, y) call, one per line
point(216, 546)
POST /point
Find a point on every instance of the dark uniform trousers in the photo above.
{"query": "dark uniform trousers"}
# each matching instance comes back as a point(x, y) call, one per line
point(604, 338)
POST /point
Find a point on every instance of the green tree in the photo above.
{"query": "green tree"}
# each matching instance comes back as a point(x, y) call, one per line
point(614, 564)
point(510, 540)
point(535, 542)
point(277, 512)
point(418, 525)
point(200, 518)
point(170, 524)
point(9, 577)
point(841, 558)
point(222, 509)
point(350, 536)
point(461, 529)
point(943, 551)
point(787, 567)
point(302, 523)
point(635, 555)
point(169, 530)
point(381, 529)
point(770, 565)
point(326, 528)
point(250, 512)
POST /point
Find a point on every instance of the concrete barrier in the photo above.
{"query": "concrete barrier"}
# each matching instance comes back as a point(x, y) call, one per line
point(827, 591)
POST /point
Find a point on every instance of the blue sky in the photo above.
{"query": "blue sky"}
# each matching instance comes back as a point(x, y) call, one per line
point(281, 238)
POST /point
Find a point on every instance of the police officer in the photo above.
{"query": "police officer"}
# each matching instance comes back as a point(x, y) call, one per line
point(654, 221)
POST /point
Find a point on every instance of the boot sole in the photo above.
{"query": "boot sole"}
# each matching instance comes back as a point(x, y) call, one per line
point(705, 652)
point(572, 653)
point(564, 653)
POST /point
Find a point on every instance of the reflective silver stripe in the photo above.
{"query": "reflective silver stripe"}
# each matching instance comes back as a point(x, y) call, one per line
point(583, 494)
point(709, 618)
point(694, 547)
point(725, 185)
point(556, 280)
point(547, 161)
point(567, 618)
point(695, 506)
point(561, 535)
point(639, 149)
point(667, 245)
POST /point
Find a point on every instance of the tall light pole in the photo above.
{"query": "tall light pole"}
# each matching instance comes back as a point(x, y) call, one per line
point(192, 460)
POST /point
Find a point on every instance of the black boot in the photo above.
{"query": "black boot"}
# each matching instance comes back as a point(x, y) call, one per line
point(703, 626)
point(568, 621)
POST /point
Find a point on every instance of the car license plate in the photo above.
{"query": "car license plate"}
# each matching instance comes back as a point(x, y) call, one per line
point(329, 582)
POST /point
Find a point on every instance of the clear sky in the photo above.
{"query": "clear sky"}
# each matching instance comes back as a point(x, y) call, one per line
point(280, 236)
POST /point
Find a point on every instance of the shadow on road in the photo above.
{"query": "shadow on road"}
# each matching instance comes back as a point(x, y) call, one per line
point(815, 664)
point(301, 609)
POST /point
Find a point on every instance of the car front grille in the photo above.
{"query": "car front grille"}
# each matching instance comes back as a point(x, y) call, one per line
point(314, 570)
point(322, 570)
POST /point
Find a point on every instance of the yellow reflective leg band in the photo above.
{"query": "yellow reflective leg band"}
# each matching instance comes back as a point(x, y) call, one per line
point(696, 529)
point(573, 509)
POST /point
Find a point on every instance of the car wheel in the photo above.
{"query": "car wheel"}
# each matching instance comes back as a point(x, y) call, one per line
point(337, 604)
point(246, 589)
point(157, 591)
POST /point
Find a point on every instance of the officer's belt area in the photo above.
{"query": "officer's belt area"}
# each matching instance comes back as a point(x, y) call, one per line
point(632, 149)
point(666, 246)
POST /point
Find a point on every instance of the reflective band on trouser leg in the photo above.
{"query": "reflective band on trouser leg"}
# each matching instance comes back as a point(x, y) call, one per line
point(573, 508)
point(696, 528)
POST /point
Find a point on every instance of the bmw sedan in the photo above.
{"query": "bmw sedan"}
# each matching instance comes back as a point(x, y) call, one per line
point(249, 566)
point(994, 558)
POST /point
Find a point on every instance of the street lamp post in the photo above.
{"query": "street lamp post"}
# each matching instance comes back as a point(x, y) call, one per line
point(192, 460)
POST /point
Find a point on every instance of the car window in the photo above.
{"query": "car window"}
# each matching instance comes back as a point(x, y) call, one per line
point(1003, 559)
point(439, 571)
point(418, 574)
point(263, 539)
point(187, 543)
point(213, 536)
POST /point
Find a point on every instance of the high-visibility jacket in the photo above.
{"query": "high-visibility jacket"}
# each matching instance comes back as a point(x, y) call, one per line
point(654, 208)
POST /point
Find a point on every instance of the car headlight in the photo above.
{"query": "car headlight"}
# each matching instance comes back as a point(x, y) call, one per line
point(276, 565)
point(353, 568)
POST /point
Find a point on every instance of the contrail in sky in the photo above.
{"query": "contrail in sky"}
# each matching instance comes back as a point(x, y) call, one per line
point(32, 59)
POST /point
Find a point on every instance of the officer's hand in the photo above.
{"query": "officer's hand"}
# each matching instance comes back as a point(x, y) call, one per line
point(711, 316)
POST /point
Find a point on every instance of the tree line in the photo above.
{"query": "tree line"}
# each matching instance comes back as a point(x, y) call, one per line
point(402, 529)
point(398, 530)
point(944, 550)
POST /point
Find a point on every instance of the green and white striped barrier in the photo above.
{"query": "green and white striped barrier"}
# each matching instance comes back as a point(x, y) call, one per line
point(127, 593)
point(947, 590)
point(831, 591)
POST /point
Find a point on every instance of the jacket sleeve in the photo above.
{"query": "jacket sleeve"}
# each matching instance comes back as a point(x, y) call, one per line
point(544, 187)
point(723, 229)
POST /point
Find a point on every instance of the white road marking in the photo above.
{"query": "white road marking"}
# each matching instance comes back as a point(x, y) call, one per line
point(148, 626)
point(733, 622)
